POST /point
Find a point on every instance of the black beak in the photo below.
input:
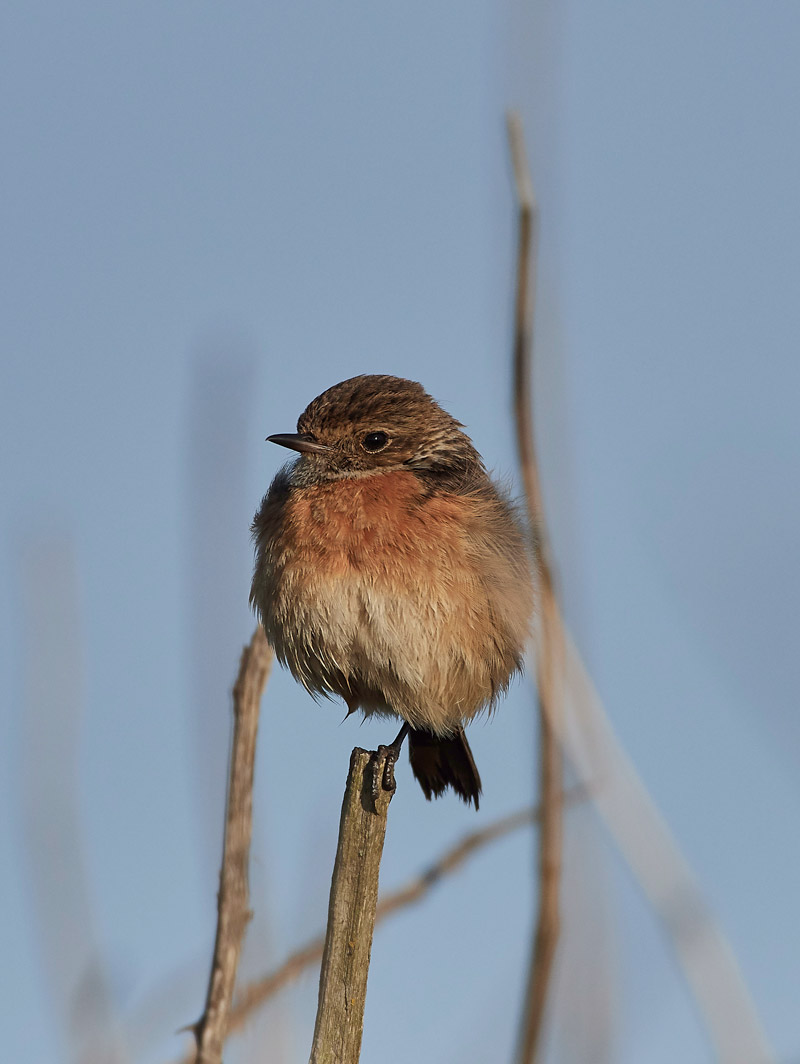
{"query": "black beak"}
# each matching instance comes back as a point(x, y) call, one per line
point(297, 442)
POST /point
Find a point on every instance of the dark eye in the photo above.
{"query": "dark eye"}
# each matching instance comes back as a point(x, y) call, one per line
point(374, 441)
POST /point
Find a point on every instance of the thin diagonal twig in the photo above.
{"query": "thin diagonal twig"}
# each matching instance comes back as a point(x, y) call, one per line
point(547, 635)
point(233, 911)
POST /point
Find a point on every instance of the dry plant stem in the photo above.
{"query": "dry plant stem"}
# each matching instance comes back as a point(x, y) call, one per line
point(644, 840)
point(351, 917)
point(255, 994)
point(637, 827)
point(52, 834)
point(548, 641)
point(549, 671)
point(233, 911)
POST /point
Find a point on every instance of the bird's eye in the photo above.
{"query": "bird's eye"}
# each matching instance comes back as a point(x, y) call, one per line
point(375, 441)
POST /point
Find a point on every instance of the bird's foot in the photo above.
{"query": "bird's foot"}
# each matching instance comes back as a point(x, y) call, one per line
point(382, 766)
point(383, 761)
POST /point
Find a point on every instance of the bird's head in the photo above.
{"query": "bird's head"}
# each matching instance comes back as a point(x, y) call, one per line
point(375, 423)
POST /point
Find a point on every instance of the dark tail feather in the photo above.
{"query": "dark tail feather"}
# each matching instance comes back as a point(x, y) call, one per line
point(442, 763)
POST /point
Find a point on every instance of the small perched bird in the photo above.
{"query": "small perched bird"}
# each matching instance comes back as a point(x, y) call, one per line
point(391, 571)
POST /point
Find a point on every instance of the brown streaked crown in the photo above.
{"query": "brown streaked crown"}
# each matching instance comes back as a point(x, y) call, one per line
point(377, 422)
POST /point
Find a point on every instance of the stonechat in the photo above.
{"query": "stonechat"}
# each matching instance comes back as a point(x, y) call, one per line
point(390, 570)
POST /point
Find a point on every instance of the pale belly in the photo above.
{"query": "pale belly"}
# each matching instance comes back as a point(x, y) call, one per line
point(388, 648)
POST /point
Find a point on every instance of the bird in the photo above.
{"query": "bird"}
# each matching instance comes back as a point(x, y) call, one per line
point(392, 571)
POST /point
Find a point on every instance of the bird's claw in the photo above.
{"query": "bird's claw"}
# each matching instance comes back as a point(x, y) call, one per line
point(383, 762)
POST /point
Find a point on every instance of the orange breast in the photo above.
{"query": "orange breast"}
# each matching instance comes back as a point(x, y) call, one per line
point(380, 524)
point(394, 598)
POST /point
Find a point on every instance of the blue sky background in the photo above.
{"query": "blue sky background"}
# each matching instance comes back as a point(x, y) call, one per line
point(210, 214)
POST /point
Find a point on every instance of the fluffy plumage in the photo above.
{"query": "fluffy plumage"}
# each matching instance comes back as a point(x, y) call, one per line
point(396, 579)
